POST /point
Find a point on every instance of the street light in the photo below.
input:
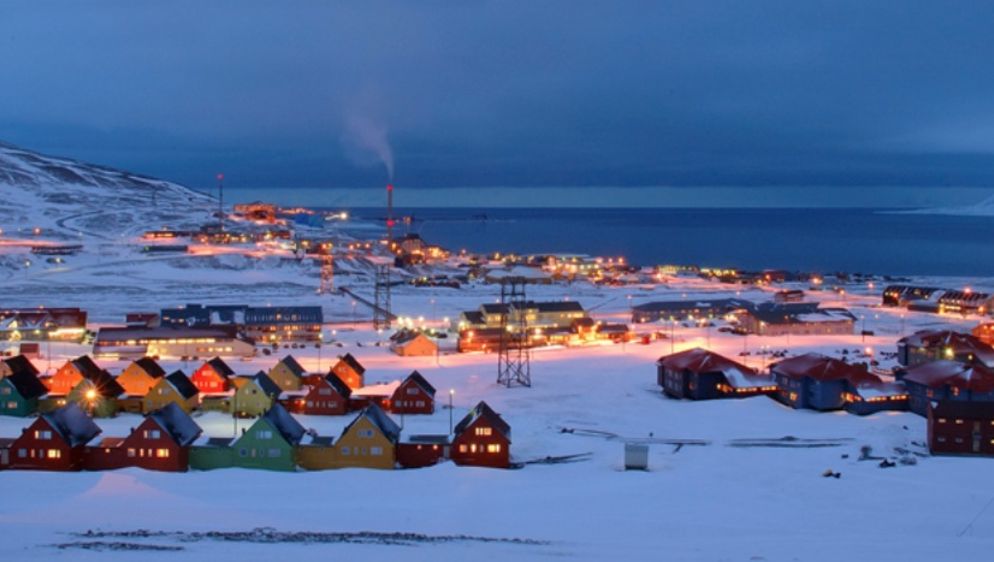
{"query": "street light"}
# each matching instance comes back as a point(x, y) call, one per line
point(452, 393)
point(91, 397)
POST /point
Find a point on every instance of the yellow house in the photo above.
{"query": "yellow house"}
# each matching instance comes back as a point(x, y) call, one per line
point(287, 374)
point(370, 441)
point(140, 376)
point(255, 396)
point(177, 388)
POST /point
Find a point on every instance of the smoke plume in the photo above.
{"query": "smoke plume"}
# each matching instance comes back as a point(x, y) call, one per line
point(365, 136)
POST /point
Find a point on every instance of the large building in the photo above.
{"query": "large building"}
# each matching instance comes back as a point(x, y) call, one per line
point(934, 299)
point(817, 382)
point(948, 381)
point(802, 319)
point(42, 324)
point(961, 428)
point(264, 324)
point(698, 374)
point(541, 315)
point(223, 341)
point(686, 309)
point(926, 346)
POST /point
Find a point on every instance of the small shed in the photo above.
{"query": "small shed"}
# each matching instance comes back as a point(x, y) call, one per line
point(636, 456)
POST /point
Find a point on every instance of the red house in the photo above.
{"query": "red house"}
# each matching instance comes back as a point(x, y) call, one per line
point(161, 442)
point(482, 438)
point(212, 377)
point(415, 395)
point(418, 451)
point(957, 427)
point(55, 441)
point(326, 396)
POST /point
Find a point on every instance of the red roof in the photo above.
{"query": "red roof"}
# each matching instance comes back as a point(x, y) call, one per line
point(958, 342)
point(699, 361)
point(823, 368)
point(975, 378)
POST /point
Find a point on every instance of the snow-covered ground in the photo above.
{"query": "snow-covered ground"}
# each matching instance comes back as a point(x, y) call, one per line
point(713, 501)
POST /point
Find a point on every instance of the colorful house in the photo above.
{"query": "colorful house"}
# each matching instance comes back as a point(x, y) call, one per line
point(868, 397)
point(213, 376)
point(17, 364)
point(415, 395)
point(418, 451)
point(97, 394)
point(956, 427)
point(288, 374)
point(818, 382)
point(410, 343)
point(55, 441)
point(19, 394)
point(255, 396)
point(140, 376)
point(482, 438)
point(161, 442)
point(71, 373)
point(369, 441)
point(350, 371)
point(327, 396)
point(177, 389)
point(269, 444)
point(698, 374)
point(947, 381)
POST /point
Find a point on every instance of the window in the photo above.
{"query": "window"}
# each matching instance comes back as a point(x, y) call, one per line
point(494, 448)
point(412, 391)
point(959, 421)
point(462, 448)
point(376, 450)
point(942, 420)
point(484, 431)
point(242, 452)
point(54, 454)
point(273, 453)
point(324, 391)
point(131, 453)
point(152, 434)
point(264, 434)
point(11, 405)
point(22, 453)
point(43, 435)
point(162, 453)
point(5, 391)
point(367, 433)
point(345, 451)
point(940, 439)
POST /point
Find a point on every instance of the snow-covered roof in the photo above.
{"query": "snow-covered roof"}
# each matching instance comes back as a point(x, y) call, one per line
point(172, 419)
point(382, 389)
point(700, 361)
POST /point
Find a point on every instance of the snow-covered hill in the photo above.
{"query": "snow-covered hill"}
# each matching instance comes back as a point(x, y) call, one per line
point(983, 208)
point(67, 198)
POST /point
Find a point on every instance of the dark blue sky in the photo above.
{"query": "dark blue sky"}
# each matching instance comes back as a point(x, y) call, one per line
point(494, 93)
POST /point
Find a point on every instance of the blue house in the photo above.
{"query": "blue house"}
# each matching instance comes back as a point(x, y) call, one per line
point(947, 380)
point(698, 374)
point(818, 382)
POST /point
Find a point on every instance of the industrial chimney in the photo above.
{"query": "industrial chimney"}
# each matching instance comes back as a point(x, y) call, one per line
point(390, 221)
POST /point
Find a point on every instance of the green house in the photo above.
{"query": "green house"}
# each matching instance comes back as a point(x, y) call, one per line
point(269, 444)
point(98, 396)
point(19, 393)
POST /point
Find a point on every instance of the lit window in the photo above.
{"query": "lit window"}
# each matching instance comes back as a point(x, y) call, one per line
point(54, 454)
point(462, 448)
point(162, 453)
point(494, 448)
point(43, 435)
point(484, 431)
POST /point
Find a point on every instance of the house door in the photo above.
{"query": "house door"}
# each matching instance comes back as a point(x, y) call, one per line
point(976, 437)
point(4, 457)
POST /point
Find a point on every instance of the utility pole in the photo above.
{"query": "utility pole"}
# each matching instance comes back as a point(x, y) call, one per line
point(220, 199)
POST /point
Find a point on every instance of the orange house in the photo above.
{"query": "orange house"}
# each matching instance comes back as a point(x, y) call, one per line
point(350, 371)
point(71, 373)
point(140, 376)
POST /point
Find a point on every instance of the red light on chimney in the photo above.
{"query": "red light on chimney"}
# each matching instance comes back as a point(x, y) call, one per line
point(220, 177)
point(389, 187)
point(391, 223)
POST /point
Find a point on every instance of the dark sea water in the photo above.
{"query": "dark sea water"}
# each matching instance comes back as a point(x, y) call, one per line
point(822, 240)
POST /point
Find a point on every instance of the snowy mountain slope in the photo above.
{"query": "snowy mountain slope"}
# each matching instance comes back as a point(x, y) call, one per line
point(983, 208)
point(71, 198)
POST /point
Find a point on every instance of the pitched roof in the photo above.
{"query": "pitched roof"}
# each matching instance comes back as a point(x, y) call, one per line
point(975, 377)
point(72, 423)
point(183, 385)
point(377, 417)
point(700, 361)
point(482, 410)
point(287, 425)
point(957, 342)
point(823, 368)
point(151, 367)
point(27, 384)
point(353, 363)
point(86, 367)
point(21, 363)
point(292, 364)
point(473, 316)
point(177, 423)
point(267, 384)
point(105, 385)
point(339, 386)
point(221, 367)
point(422, 382)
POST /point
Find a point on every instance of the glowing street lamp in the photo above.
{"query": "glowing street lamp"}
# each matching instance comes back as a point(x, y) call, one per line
point(452, 392)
